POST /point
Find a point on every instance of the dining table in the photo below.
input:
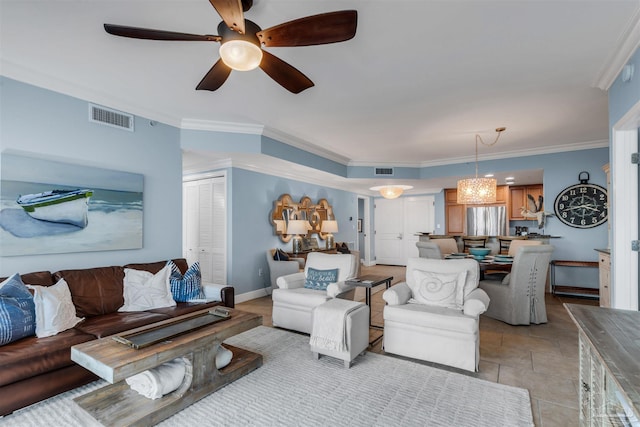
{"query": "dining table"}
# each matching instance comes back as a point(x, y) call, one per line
point(487, 264)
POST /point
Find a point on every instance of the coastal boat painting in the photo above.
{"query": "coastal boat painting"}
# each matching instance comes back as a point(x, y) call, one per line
point(65, 206)
point(49, 206)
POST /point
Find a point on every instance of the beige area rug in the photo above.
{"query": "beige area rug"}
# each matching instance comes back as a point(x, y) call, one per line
point(293, 389)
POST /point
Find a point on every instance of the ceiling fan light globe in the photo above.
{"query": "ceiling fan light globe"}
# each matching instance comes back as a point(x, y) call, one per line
point(240, 55)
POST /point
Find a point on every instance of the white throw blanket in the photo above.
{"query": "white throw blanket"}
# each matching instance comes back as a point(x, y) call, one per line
point(155, 383)
point(329, 329)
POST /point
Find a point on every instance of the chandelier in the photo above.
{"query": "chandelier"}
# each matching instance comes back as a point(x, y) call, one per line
point(477, 191)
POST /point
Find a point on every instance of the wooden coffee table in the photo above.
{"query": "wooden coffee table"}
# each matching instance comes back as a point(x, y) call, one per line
point(116, 404)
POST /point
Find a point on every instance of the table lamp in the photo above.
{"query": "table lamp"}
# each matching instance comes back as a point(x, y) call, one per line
point(329, 226)
point(295, 228)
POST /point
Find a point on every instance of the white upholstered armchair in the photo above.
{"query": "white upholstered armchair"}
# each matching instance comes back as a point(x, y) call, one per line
point(282, 268)
point(434, 315)
point(293, 303)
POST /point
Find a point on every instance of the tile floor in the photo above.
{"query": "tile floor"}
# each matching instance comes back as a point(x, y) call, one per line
point(541, 358)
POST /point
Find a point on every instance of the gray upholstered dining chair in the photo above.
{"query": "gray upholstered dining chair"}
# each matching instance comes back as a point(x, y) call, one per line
point(447, 245)
point(428, 250)
point(518, 299)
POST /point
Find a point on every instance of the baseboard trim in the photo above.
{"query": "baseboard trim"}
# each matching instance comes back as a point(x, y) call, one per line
point(248, 296)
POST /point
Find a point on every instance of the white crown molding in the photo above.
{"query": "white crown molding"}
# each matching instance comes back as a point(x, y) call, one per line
point(323, 179)
point(296, 142)
point(626, 46)
point(362, 163)
point(215, 126)
point(36, 78)
point(502, 155)
point(523, 153)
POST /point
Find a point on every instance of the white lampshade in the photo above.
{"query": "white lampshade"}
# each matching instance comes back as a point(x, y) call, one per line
point(297, 226)
point(391, 191)
point(240, 55)
point(329, 226)
point(477, 191)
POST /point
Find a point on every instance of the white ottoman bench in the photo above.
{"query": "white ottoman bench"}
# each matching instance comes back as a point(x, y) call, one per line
point(340, 329)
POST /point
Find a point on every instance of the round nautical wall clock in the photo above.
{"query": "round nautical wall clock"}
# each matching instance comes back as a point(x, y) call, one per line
point(582, 205)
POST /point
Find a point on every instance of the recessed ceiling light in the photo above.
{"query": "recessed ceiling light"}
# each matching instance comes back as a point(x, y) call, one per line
point(489, 175)
point(509, 178)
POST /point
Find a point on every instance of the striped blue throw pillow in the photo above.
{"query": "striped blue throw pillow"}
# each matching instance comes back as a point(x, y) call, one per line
point(17, 311)
point(188, 286)
point(320, 279)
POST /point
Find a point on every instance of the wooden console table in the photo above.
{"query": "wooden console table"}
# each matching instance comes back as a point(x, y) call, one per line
point(577, 291)
point(117, 404)
point(304, 254)
point(609, 344)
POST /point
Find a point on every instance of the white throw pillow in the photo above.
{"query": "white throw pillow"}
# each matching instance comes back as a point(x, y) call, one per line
point(441, 289)
point(146, 291)
point(55, 311)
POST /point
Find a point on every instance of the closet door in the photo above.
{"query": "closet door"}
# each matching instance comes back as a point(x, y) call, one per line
point(205, 227)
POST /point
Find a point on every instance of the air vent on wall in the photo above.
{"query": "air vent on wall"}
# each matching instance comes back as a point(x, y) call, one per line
point(384, 171)
point(109, 117)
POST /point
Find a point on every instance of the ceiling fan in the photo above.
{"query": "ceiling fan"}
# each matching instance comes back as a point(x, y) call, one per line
point(242, 41)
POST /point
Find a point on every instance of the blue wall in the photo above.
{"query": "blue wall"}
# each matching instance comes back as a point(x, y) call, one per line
point(624, 95)
point(40, 123)
point(252, 200)
point(46, 123)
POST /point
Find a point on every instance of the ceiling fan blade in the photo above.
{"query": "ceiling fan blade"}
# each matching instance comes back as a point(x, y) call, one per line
point(150, 34)
point(231, 13)
point(287, 76)
point(216, 76)
point(325, 28)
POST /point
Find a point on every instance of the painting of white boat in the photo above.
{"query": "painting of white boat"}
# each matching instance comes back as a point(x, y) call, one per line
point(61, 206)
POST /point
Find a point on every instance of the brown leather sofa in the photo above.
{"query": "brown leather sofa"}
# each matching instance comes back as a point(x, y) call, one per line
point(33, 369)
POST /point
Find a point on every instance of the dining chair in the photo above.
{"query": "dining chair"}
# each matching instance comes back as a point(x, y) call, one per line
point(519, 298)
point(473, 242)
point(515, 245)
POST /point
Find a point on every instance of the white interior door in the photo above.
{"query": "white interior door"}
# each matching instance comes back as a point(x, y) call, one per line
point(205, 227)
point(389, 229)
point(397, 223)
point(419, 216)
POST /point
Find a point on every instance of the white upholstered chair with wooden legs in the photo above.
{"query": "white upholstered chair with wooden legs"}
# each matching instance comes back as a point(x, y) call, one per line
point(293, 304)
point(518, 299)
point(434, 315)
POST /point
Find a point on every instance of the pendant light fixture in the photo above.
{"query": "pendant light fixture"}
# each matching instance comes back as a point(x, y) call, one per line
point(478, 191)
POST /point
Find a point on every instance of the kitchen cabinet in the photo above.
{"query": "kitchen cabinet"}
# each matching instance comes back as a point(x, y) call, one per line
point(604, 268)
point(519, 198)
point(456, 215)
point(456, 218)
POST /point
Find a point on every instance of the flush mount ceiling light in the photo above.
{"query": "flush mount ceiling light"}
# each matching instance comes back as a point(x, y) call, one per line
point(391, 191)
point(478, 191)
